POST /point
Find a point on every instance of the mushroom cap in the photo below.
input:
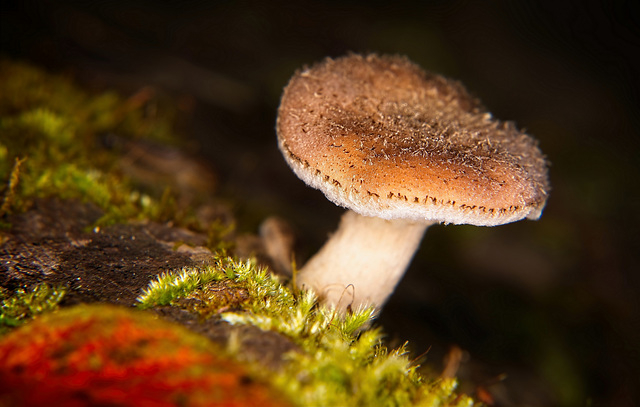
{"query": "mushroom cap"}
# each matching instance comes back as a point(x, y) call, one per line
point(380, 136)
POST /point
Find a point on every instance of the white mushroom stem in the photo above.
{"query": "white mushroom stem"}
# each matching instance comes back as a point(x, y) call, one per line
point(362, 262)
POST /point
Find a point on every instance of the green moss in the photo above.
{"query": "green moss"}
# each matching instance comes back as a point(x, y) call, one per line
point(343, 362)
point(25, 304)
point(50, 144)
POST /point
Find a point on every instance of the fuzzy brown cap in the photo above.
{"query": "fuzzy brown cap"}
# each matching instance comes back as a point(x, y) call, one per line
point(380, 136)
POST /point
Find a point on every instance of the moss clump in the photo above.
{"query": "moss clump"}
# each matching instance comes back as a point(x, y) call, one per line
point(52, 144)
point(24, 304)
point(103, 355)
point(342, 364)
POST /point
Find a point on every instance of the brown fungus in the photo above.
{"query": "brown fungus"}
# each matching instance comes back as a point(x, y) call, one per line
point(402, 149)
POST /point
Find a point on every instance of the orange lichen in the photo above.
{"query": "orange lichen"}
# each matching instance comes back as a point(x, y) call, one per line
point(99, 355)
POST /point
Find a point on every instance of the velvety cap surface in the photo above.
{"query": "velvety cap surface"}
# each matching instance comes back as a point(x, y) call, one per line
point(380, 136)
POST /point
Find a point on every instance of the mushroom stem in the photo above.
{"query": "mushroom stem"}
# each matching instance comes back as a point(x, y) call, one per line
point(362, 262)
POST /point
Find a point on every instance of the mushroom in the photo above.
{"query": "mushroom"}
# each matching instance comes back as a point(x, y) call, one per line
point(402, 149)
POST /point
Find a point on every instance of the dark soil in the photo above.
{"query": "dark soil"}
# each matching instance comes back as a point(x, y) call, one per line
point(264, 347)
point(56, 242)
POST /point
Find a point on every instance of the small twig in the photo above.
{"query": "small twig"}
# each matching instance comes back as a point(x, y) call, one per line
point(353, 294)
point(10, 193)
point(452, 362)
point(415, 361)
point(294, 271)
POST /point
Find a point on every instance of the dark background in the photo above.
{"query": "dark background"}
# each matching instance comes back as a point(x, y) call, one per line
point(547, 312)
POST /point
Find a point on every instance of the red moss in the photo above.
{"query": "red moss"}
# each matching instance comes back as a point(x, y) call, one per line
point(100, 355)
